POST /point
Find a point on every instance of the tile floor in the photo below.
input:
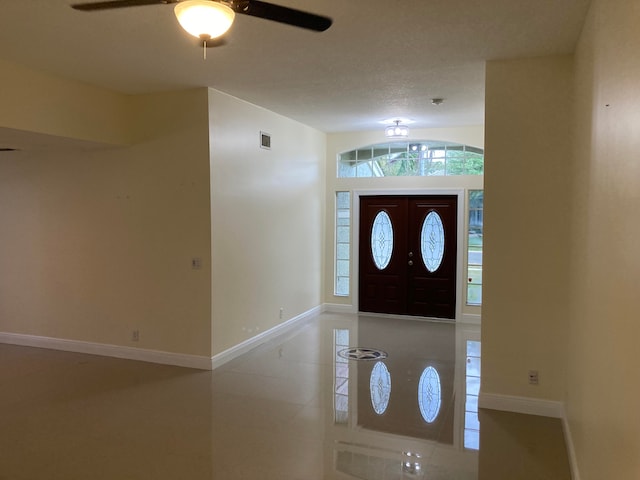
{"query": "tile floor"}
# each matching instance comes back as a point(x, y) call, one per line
point(291, 409)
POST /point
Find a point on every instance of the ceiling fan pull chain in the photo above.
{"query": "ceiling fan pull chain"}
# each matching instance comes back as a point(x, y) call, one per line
point(204, 49)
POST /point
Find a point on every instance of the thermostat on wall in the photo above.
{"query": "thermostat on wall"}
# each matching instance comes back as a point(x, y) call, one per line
point(265, 140)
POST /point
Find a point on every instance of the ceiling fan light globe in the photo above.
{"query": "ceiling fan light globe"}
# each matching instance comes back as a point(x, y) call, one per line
point(204, 18)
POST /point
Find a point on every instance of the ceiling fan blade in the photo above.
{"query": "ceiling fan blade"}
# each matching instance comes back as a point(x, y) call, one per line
point(110, 4)
point(278, 13)
point(255, 8)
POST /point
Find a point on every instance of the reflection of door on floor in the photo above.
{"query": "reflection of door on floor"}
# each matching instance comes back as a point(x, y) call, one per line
point(408, 255)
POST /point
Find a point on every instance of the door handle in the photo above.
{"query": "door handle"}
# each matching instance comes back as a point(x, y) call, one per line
point(410, 262)
point(410, 254)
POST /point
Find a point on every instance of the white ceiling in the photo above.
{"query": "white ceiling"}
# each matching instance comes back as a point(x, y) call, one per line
point(380, 59)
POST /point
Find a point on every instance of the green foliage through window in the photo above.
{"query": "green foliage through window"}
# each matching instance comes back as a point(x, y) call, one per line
point(411, 159)
point(474, 254)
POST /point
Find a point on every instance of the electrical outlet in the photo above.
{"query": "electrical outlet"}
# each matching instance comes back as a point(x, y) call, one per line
point(533, 377)
point(135, 336)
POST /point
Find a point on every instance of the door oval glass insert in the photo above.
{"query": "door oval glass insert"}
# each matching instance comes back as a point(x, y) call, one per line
point(429, 394)
point(380, 387)
point(432, 241)
point(382, 240)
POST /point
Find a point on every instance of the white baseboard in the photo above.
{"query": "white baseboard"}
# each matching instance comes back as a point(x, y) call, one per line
point(571, 451)
point(467, 318)
point(526, 405)
point(155, 356)
point(471, 319)
point(338, 308)
point(107, 350)
point(237, 350)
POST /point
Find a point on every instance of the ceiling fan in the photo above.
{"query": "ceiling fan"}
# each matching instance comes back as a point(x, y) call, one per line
point(210, 19)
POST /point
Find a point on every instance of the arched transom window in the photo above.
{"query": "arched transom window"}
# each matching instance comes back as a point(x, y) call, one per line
point(419, 158)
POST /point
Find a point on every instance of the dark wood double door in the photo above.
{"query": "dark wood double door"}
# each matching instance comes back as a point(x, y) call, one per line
point(408, 255)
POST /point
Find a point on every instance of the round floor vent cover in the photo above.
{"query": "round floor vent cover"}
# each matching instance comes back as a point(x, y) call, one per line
point(360, 353)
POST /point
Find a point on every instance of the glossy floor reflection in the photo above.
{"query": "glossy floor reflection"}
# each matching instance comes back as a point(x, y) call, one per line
point(293, 409)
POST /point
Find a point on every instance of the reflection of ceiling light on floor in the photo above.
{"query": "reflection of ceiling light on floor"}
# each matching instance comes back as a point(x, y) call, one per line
point(411, 455)
point(411, 468)
point(411, 465)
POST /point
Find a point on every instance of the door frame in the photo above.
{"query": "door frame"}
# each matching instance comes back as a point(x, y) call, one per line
point(355, 250)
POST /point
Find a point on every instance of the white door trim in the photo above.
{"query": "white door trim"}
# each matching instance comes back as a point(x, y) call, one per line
point(355, 244)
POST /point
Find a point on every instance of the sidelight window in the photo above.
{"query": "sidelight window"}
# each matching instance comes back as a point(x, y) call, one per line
point(343, 243)
point(474, 254)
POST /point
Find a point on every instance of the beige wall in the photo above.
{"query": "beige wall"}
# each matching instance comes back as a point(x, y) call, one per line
point(343, 142)
point(603, 390)
point(102, 239)
point(562, 136)
point(97, 243)
point(267, 215)
point(526, 226)
point(45, 104)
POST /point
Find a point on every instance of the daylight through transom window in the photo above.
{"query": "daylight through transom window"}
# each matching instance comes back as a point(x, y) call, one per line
point(420, 158)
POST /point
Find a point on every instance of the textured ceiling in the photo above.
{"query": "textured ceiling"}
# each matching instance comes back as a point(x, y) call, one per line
point(380, 59)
